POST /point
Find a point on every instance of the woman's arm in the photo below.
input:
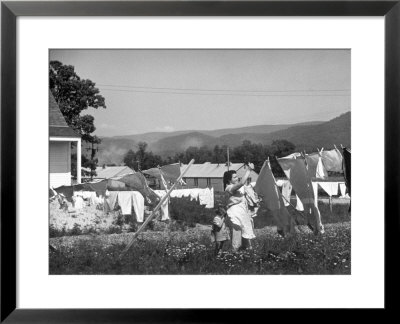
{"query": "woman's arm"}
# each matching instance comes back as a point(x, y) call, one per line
point(244, 179)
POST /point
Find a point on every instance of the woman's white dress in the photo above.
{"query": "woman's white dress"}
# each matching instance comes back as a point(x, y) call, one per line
point(238, 211)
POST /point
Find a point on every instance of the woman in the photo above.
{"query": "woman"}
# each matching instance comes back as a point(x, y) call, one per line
point(239, 218)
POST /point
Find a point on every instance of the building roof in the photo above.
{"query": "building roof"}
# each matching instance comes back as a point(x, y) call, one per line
point(210, 170)
point(112, 171)
point(58, 125)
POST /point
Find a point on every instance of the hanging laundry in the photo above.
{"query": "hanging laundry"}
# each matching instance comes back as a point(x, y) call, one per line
point(287, 192)
point(125, 202)
point(331, 188)
point(347, 168)
point(77, 202)
point(164, 207)
point(315, 166)
point(271, 196)
point(138, 182)
point(297, 172)
point(315, 189)
point(111, 199)
point(205, 197)
point(138, 205)
point(332, 160)
point(115, 184)
point(66, 191)
point(299, 204)
point(211, 200)
point(342, 187)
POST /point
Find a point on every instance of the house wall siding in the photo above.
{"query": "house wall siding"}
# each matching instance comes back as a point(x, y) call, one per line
point(60, 159)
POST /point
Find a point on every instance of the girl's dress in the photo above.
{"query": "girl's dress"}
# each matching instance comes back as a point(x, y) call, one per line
point(238, 211)
point(220, 231)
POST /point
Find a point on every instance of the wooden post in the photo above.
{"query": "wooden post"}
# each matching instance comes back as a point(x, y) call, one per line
point(228, 157)
point(155, 210)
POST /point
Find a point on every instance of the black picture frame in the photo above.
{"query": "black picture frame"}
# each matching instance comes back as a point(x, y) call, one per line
point(10, 10)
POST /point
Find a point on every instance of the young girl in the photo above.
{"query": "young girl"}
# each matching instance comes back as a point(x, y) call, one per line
point(220, 231)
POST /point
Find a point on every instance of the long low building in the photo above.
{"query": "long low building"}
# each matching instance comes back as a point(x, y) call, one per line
point(211, 175)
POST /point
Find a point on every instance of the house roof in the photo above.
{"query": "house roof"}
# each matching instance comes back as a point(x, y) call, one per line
point(112, 171)
point(210, 170)
point(58, 125)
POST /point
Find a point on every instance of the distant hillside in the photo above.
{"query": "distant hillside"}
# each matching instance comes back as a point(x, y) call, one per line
point(334, 132)
point(305, 135)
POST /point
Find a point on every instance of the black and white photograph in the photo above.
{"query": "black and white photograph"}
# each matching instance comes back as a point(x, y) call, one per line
point(199, 161)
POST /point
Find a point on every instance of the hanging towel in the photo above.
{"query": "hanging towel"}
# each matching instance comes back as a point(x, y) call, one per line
point(125, 202)
point(332, 160)
point(138, 205)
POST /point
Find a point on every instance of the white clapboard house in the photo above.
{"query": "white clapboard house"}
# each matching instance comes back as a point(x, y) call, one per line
point(60, 138)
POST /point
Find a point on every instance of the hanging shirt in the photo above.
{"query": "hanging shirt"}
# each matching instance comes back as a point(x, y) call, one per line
point(332, 160)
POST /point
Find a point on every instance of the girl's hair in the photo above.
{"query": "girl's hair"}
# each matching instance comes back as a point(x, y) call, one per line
point(228, 177)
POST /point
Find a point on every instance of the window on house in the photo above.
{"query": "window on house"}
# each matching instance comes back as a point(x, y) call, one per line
point(208, 182)
point(196, 182)
point(248, 180)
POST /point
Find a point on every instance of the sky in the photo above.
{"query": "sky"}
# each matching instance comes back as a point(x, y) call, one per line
point(170, 90)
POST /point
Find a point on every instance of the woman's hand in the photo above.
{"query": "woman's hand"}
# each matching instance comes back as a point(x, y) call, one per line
point(250, 165)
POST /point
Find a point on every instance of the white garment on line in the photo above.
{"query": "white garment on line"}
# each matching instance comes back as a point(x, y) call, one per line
point(77, 202)
point(138, 205)
point(321, 172)
point(111, 199)
point(331, 188)
point(164, 207)
point(342, 187)
point(299, 204)
point(211, 199)
point(286, 192)
point(315, 188)
point(125, 202)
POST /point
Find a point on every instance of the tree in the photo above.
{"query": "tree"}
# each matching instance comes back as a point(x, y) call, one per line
point(141, 159)
point(74, 95)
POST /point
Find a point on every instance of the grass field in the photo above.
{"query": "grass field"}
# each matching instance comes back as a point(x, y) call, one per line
point(183, 245)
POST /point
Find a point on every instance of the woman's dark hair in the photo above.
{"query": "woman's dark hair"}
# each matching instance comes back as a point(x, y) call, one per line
point(228, 177)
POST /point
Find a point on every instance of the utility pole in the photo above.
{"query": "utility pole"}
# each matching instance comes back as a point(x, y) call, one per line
point(228, 156)
point(138, 165)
